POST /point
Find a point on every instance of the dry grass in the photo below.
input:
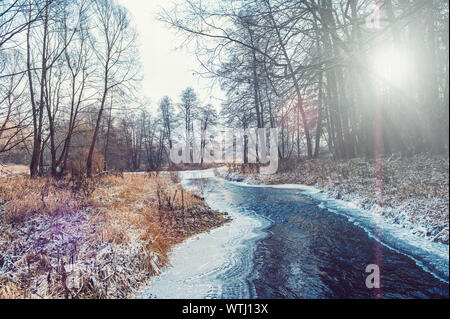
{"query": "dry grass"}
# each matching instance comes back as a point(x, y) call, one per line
point(25, 196)
point(99, 238)
point(155, 206)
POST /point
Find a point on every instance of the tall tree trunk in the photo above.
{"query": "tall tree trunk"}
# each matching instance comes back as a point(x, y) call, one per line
point(97, 125)
point(38, 112)
point(295, 82)
point(319, 117)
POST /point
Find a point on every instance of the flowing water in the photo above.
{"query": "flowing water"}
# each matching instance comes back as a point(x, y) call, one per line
point(291, 241)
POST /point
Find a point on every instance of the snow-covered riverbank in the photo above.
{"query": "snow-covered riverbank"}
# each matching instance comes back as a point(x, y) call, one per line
point(414, 191)
point(58, 240)
point(201, 265)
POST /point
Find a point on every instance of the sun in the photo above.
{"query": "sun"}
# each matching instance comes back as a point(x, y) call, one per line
point(392, 65)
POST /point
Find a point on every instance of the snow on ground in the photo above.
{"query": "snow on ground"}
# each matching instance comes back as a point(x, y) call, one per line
point(103, 244)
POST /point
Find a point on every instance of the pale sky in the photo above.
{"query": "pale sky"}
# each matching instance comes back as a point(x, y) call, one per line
point(167, 69)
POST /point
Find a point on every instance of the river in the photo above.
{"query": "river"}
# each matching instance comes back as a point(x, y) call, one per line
point(292, 241)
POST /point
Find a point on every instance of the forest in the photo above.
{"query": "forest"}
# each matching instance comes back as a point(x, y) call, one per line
point(350, 77)
point(340, 78)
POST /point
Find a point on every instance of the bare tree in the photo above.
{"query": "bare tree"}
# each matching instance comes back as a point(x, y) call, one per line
point(114, 46)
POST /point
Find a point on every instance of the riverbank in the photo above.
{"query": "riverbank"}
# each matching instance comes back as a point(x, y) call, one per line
point(415, 191)
point(99, 238)
point(217, 264)
point(291, 241)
